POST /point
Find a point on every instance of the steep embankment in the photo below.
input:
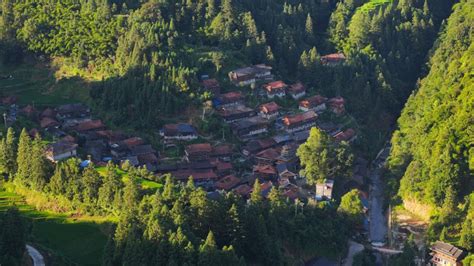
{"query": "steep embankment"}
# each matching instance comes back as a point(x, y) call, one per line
point(433, 150)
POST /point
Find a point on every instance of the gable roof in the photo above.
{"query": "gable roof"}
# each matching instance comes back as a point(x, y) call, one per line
point(270, 107)
point(222, 150)
point(448, 250)
point(333, 58)
point(61, 147)
point(48, 122)
point(300, 118)
point(227, 182)
point(313, 101)
point(275, 85)
point(142, 149)
point(90, 125)
point(265, 169)
point(210, 83)
point(345, 135)
point(175, 129)
point(297, 88)
point(233, 96)
point(198, 148)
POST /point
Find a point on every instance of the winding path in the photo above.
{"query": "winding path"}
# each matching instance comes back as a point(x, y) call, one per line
point(35, 255)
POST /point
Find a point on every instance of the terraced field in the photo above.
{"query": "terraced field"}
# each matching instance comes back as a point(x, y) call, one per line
point(75, 240)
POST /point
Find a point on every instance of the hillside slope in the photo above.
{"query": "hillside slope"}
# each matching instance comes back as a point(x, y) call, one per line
point(433, 149)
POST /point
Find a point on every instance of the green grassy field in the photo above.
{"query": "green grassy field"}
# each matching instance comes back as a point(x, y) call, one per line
point(146, 184)
point(38, 85)
point(80, 241)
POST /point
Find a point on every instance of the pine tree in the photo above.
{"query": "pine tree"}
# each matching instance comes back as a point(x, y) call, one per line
point(256, 197)
point(24, 157)
point(58, 181)
point(91, 182)
point(10, 152)
point(39, 166)
point(309, 27)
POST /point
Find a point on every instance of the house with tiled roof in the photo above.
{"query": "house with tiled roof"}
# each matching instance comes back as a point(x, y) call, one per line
point(198, 152)
point(348, 135)
point(336, 105)
point(268, 156)
point(333, 59)
point(446, 254)
point(89, 125)
point(181, 131)
point(265, 171)
point(211, 85)
point(235, 113)
point(275, 88)
point(228, 99)
point(222, 152)
point(61, 150)
point(48, 122)
point(243, 190)
point(297, 90)
point(250, 127)
point(316, 103)
point(255, 146)
point(250, 75)
point(269, 110)
point(299, 122)
point(227, 183)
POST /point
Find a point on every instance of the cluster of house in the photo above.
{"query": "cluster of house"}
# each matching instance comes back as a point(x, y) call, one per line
point(273, 157)
point(72, 127)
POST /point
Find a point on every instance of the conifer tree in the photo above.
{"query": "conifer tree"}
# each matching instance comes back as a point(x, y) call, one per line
point(24, 156)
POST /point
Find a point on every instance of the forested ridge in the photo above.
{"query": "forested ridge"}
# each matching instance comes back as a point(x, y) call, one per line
point(433, 150)
point(143, 60)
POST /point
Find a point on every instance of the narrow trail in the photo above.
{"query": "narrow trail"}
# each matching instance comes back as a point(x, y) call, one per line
point(35, 255)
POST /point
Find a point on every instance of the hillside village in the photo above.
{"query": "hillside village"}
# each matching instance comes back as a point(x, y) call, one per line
point(263, 144)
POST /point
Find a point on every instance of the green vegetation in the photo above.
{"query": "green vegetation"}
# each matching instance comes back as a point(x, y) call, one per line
point(80, 239)
point(144, 183)
point(433, 150)
point(12, 236)
point(373, 4)
point(351, 206)
point(36, 84)
point(321, 158)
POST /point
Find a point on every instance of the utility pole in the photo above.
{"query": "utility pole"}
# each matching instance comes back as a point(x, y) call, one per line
point(5, 119)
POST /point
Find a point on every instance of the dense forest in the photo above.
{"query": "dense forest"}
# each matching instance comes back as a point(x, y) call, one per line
point(178, 224)
point(433, 150)
point(141, 54)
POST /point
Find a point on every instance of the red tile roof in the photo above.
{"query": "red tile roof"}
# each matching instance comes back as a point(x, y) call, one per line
point(232, 96)
point(313, 101)
point(198, 148)
point(264, 169)
point(227, 182)
point(333, 58)
point(48, 112)
point(270, 154)
point(275, 85)
point(48, 122)
point(89, 125)
point(336, 101)
point(270, 107)
point(299, 118)
point(297, 88)
point(210, 83)
point(345, 135)
point(221, 150)
point(243, 190)
point(134, 141)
